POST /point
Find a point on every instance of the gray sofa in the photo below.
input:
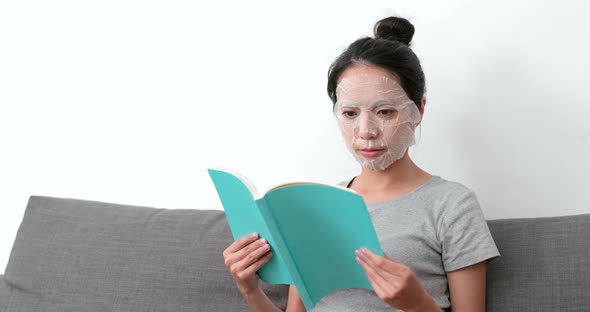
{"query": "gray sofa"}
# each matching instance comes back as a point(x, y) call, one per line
point(77, 255)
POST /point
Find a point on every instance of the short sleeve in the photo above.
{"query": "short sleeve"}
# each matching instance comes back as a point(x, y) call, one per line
point(464, 233)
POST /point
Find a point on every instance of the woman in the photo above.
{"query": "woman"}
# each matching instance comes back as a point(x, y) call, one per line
point(435, 238)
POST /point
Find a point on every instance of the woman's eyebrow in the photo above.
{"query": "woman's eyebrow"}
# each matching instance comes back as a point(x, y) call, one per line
point(375, 103)
point(379, 102)
point(350, 104)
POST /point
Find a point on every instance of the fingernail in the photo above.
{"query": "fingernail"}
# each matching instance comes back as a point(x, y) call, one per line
point(263, 241)
point(253, 235)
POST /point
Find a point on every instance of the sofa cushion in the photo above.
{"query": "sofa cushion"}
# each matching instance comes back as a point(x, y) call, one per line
point(77, 255)
point(545, 265)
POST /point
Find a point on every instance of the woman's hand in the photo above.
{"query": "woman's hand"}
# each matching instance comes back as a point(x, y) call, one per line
point(395, 283)
point(243, 258)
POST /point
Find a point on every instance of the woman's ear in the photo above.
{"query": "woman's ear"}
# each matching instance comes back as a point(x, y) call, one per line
point(422, 104)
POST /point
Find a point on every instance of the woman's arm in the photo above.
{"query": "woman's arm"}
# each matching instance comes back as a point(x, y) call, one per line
point(258, 301)
point(294, 304)
point(467, 287)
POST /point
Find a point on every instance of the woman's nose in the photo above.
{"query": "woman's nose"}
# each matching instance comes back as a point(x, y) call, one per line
point(367, 127)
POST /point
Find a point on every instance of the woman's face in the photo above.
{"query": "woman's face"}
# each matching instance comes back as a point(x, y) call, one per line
point(375, 115)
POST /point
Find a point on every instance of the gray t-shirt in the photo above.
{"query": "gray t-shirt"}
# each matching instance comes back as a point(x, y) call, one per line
point(437, 228)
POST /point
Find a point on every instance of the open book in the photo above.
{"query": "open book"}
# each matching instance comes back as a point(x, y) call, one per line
point(313, 230)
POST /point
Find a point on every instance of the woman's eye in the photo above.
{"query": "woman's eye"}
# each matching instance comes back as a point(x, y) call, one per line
point(349, 114)
point(386, 112)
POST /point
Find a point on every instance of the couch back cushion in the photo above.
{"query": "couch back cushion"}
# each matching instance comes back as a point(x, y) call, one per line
point(544, 265)
point(77, 255)
point(4, 293)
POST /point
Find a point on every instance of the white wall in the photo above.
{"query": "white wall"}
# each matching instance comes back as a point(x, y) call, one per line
point(130, 101)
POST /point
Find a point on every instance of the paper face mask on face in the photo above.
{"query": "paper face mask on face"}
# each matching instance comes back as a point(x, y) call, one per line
point(377, 119)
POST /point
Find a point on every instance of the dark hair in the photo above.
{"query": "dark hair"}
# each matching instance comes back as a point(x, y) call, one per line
point(390, 49)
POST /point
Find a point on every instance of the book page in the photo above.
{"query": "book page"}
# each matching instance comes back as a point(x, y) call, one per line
point(286, 184)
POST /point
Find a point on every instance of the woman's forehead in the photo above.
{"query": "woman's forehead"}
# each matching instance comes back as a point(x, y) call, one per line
point(367, 82)
point(369, 87)
point(366, 70)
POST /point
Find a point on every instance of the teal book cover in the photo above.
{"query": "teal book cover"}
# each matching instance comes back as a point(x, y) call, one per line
point(313, 230)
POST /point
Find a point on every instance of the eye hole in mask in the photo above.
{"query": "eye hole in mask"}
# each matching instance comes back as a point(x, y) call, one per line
point(351, 114)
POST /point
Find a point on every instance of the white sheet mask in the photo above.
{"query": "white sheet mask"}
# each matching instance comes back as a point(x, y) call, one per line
point(375, 113)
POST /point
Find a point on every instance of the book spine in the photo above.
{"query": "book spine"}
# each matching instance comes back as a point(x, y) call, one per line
point(282, 248)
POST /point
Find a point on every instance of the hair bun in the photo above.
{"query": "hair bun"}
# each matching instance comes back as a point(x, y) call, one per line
point(394, 28)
